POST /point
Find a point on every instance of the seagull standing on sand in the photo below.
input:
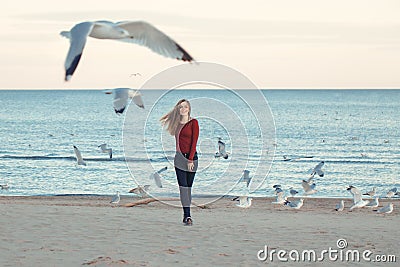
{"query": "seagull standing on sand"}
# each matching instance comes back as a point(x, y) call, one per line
point(391, 192)
point(386, 209)
point(156, 176)
point(340, 206)
point(104, 149)
point(244, 202)
point(221, 150)
point(317, 170)
point(122, 96)
point(115, 199)
point(295, 204)
point(371, 193)
point(374, 203)
point(139, 32)
point(79, 158)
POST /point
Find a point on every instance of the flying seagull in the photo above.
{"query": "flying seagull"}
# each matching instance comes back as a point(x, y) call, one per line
point(309, 189)
point(317, 170)
point(358, 202)
point(140, 190)
point(245, 177)
point(139, 32)
point(79, 158)
point(156, 176)
point(104, 149)
point(221, 150)
point(122, 96)
point(4, 186)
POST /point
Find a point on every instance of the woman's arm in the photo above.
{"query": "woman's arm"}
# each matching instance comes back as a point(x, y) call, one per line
point(195, 137)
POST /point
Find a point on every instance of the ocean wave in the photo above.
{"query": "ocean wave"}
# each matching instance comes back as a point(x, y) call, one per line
point(72, 158)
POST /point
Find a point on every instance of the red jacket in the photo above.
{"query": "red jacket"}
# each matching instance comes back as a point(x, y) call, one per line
point(186, 137)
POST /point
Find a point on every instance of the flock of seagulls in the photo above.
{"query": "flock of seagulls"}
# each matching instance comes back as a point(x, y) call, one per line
point(156, 177)
point(309, 189)
point(358, 202)
point(142, 190)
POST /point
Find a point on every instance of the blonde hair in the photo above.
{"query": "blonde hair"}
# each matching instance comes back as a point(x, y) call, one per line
point(173, 117)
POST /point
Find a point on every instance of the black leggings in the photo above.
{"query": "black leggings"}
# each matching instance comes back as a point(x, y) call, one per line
point(185, 178)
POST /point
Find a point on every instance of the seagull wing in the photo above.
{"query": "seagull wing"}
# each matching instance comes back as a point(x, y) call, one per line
point(357, 196)
point(340, 206)
point(221, 147)
point(146, 187)
point(145, 34)
point(137, 98)
point(320, 172)
point(280, 197)
point(103, 147)
point(394, 190)
point(243, 201)
point(79, 156)
point(162, 169)
point(121, 96)
point(306, 186)
point(77, 37)
point(157, 179)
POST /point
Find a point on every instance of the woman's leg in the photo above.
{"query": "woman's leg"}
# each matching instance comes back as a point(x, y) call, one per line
point(184, 191)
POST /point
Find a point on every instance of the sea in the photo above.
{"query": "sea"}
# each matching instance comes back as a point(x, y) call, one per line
point(279, 136)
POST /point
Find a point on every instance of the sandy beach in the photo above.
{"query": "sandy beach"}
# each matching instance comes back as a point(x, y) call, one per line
point(89, 231)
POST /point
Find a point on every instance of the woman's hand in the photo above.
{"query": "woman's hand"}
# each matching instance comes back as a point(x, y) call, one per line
point(190, 166)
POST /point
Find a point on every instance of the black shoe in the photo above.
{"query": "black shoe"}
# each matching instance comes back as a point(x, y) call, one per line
point(188, 221)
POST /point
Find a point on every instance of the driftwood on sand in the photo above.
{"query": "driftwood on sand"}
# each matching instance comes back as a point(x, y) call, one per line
point(150, 199)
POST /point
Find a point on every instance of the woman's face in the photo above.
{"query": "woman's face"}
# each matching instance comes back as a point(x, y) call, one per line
point(184, 108)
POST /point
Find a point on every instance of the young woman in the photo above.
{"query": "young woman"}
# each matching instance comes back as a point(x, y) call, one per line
point(186, 132)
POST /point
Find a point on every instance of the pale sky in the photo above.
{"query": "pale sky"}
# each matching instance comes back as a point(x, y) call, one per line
point(277, 44)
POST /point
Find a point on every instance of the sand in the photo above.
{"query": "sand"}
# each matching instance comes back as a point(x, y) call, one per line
point(89, 231)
